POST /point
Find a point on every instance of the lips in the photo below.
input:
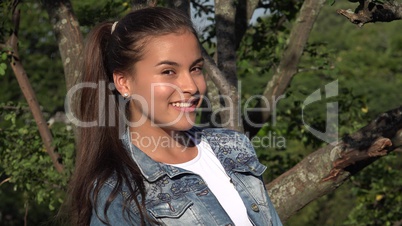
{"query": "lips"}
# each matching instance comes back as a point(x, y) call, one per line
point(182, 105)
point(186, 105)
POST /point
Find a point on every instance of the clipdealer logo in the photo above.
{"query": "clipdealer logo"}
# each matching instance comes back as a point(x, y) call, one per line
point(330, 135)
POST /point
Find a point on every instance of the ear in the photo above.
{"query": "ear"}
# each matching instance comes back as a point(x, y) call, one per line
point(121, 82)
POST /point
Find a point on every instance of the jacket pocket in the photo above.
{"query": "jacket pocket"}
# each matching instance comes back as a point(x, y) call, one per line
point(174, 208)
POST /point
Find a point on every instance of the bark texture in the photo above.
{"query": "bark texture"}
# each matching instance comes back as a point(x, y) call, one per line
point(182, 5)
point(370, 11)
point(326, 169)
point(139, 4)
point(225, 14)
point(216, 80)
point(28, 92)
point(68, 36)
point(244, 12)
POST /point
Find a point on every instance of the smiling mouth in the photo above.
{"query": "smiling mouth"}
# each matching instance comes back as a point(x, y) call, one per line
point(182, 105)
point(186, 104)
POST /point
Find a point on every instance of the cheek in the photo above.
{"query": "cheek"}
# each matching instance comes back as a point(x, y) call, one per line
point(162, 91)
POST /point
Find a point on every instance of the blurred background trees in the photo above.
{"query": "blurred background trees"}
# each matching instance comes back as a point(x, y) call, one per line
point(366, 62)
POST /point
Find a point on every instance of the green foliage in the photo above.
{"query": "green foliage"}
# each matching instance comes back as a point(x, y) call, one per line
point(262, 46)
point(26, 163)
point(40, 58)
point(259, 53)
point(5, 22)
point(15, 208)
point(93, 12)
point(366, 63)
point(3, 68)
point(25, 168)
point(5, 29)
point(327, 210)
point(379, 197)
point(275, 150)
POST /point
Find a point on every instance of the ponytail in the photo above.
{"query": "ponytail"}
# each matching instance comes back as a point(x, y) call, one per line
point(100, 151)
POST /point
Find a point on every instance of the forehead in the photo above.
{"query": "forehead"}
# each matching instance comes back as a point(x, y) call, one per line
point(181, 45)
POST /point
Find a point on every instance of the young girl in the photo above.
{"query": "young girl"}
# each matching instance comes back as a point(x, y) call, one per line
point(141, 161)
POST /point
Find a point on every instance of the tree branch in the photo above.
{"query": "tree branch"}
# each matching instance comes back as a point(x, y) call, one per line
point(326, 169)
point(5, 181)
point(3, 47)
point(204, 9)
point(139, 4)
point(370, 11)
point(182, 5)
point(287, 68)
point(28, 92)
point(26, 213)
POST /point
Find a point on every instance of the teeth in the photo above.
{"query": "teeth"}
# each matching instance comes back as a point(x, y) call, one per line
point(182, 105)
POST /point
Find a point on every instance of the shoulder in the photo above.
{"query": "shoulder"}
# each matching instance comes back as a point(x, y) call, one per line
point(114, 189)
point(113, 203)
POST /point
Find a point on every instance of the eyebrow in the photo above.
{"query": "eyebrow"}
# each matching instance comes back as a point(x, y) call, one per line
point(172, 63)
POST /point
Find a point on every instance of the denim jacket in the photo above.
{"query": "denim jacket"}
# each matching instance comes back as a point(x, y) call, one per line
point(175, 196)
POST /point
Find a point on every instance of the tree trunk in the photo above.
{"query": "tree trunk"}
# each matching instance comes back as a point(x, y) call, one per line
point(244, 12)
point(225, 14)
point(216, 80)
point(69, 37)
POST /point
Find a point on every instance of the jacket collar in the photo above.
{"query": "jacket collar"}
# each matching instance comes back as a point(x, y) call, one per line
point(234, 150)
point(231, 149)
point(150, 169)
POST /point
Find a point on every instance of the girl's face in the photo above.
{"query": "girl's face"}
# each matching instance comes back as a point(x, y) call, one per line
point(168, 84)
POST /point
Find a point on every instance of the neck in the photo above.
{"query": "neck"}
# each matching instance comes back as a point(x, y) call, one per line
point(163, 145)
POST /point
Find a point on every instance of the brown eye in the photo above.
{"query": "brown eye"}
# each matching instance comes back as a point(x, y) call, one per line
point(197, 69)
point(168, 72)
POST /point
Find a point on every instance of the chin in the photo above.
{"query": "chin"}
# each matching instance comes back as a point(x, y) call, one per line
point(181, 126)
point(185, 127)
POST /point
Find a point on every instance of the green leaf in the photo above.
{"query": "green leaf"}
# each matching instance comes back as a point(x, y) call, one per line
point(3, 68)
point(4, 56)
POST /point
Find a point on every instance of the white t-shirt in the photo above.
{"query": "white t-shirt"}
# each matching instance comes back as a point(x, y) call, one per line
point(207, 165)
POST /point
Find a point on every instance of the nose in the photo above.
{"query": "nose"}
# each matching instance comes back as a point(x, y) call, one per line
point(188, 83)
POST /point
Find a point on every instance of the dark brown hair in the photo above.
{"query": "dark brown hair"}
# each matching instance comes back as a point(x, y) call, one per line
point(100, 150)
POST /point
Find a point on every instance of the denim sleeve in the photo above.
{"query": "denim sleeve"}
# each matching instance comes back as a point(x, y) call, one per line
point(276, 221)
point(115, 214)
